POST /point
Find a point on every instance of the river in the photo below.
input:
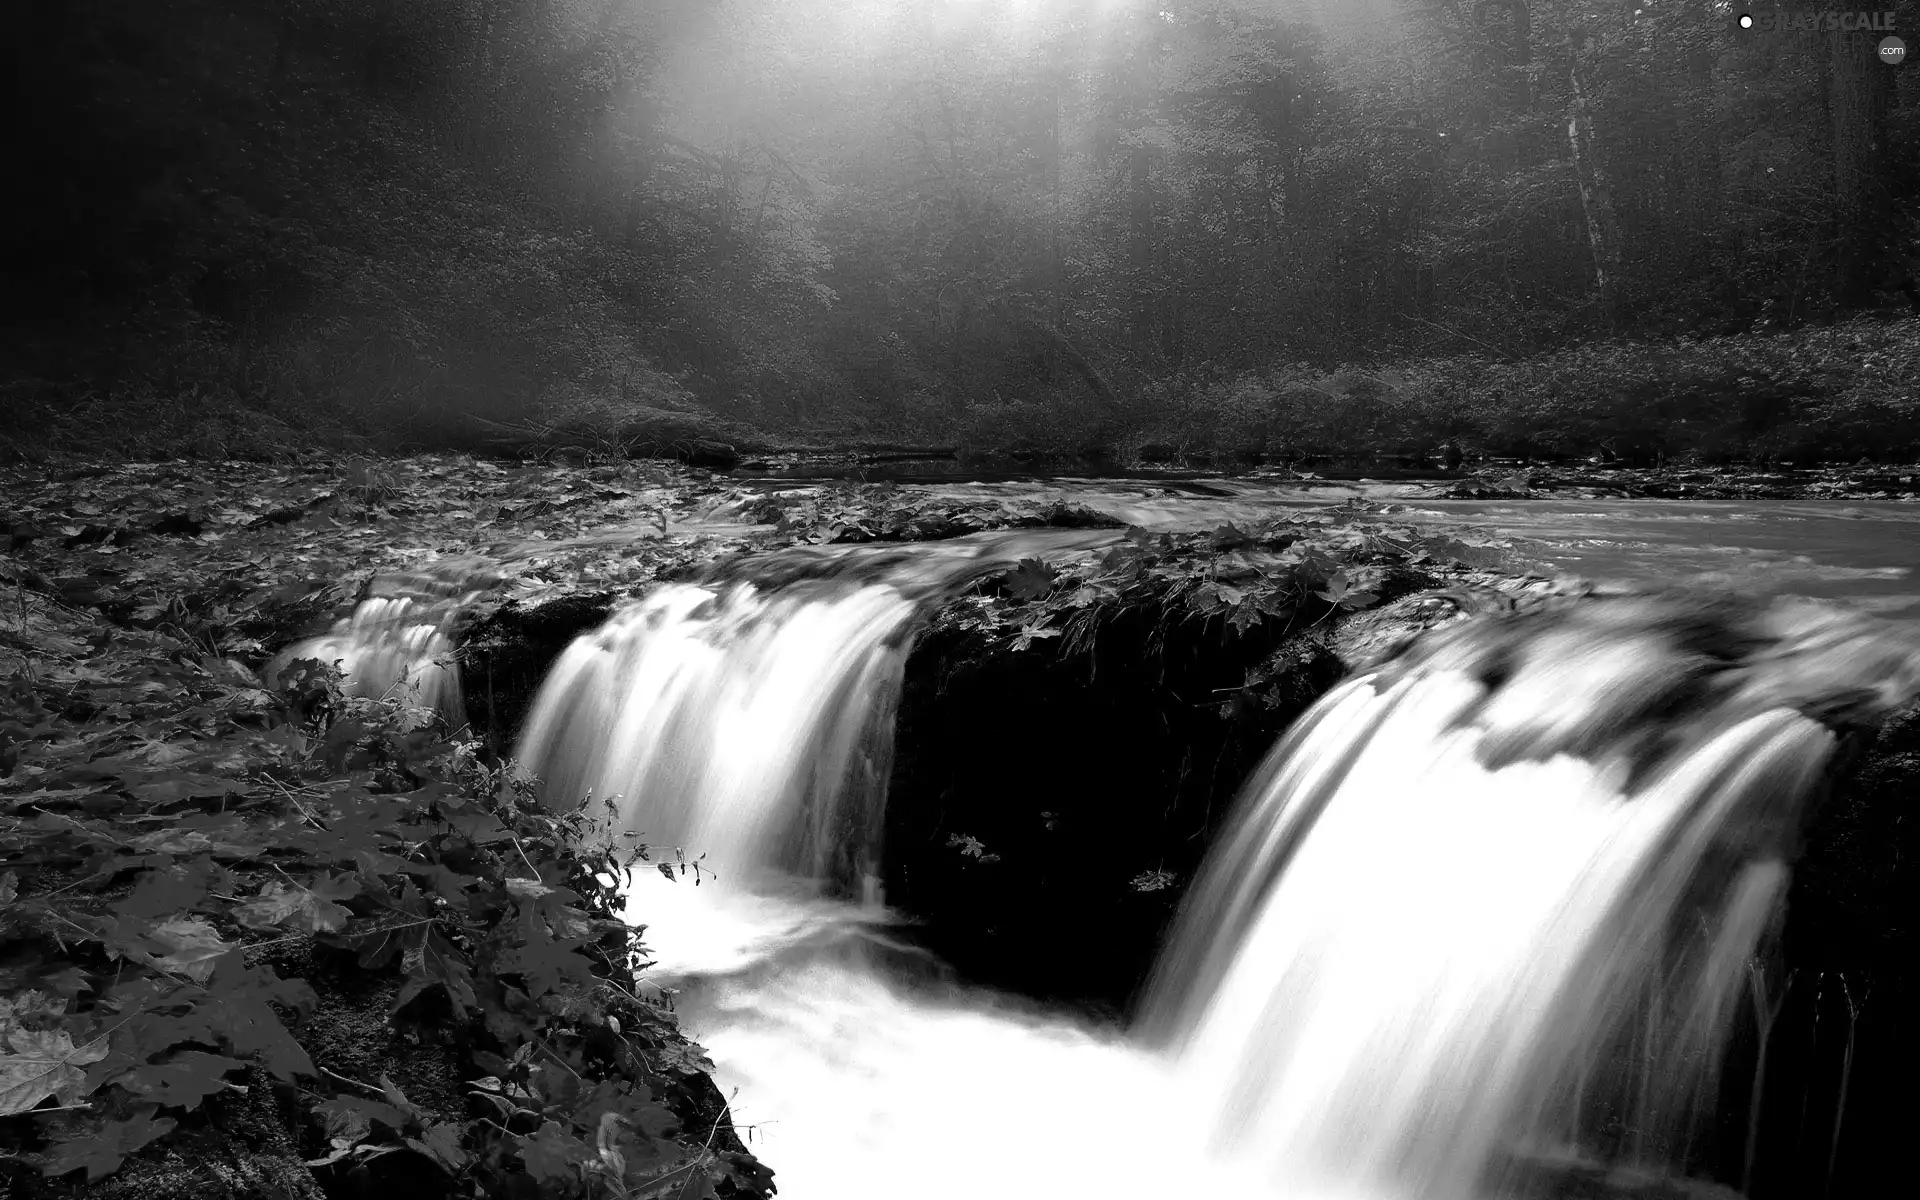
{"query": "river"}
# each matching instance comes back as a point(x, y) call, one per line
point(1859, 552)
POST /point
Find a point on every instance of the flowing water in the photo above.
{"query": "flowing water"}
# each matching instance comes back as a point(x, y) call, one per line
point(1862, 552)
point(1468, 923)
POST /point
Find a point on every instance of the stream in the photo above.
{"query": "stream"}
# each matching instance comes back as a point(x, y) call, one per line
point(1859, 552)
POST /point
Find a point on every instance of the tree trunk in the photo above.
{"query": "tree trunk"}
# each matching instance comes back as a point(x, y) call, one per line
point(1857, 104)
point(1596, 196)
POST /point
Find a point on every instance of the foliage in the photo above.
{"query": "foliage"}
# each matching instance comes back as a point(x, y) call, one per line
point(1821, 393)
point(172, 820)
point(184, 837)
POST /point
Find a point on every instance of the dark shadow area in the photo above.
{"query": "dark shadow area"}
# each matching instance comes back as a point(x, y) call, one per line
point(1835, 1098)
point(1049, 806)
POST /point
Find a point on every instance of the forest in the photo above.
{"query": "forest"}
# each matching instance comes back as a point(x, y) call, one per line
point(1254, 229)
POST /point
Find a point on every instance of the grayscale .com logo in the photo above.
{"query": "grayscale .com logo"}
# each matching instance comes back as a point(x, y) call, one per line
point(1891, 50)
point(1828, 21)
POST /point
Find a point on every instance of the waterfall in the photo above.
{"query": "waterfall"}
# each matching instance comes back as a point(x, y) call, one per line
point(1486, 911)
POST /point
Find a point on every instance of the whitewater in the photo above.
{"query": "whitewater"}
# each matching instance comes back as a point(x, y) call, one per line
point(1484, 905)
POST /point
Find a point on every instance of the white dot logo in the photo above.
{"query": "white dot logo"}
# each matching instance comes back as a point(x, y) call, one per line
point(1746, 21)
point(1893, 51)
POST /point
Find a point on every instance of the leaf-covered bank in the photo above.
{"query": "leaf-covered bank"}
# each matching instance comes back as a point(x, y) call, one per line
point(263, 936)
point(259, 936)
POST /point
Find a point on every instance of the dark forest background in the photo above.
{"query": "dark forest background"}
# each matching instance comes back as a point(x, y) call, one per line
point(1220, 226)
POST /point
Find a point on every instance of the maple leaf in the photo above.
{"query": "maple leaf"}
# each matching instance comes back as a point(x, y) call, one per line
point(1245, 617)
point(1030, 579)
point(311, 908)
point(346, 1125)
point(552, 1154)
point(102, 1148)
point(441, 1143)
point(1032, 631)
point(172, 888)
point(242, 1015)
point(431, 960)
point(1340, 591)
point(1211, 597)
point(183, 1081)
point(1228, 537)
point(44, 1063)
point(350, 1118)
point(193, 948)
point(15, 1011)
point(198, 841)
point(548, 965)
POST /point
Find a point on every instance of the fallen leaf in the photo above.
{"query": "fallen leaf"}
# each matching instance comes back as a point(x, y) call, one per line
point(1030, 579)
point(193, 947)
point(313, 908)
point(44, 1064)
point(103, 1148)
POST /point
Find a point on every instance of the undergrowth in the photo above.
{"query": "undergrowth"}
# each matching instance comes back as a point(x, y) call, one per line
point(1827, 393)
point(173, 825)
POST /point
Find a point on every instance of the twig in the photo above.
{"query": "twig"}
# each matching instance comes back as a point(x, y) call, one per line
point(367, 1087)
point(514, 838)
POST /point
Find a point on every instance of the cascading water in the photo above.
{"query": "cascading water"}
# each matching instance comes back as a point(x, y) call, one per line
point(1485, 911)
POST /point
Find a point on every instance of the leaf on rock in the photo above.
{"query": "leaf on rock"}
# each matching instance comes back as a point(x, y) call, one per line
point(1229, 537)
point(1245, 616)
point(1032, 631)
point(44, 1063)
point(1340, 591)
point(1030, 579)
